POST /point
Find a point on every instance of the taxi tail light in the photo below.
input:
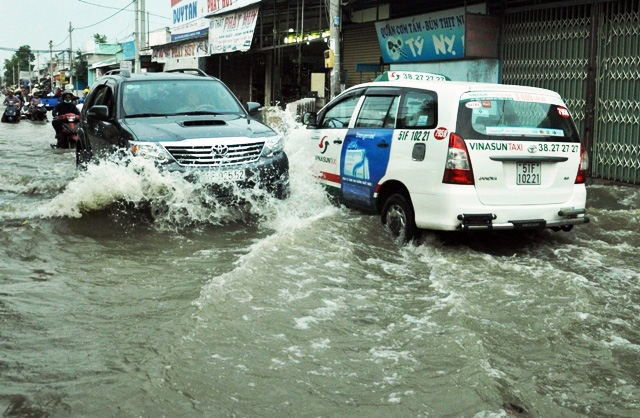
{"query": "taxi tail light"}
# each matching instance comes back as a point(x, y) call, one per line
point(458, 168)
point(584, 166)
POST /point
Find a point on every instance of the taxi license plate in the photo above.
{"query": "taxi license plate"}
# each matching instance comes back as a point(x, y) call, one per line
point(528, 173)
point(226, 176)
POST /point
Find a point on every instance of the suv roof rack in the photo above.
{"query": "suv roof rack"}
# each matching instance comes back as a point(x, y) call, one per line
point(184, 70)
point(122, 71)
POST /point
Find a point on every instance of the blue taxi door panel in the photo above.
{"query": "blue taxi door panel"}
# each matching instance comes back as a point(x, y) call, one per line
point(363, 162)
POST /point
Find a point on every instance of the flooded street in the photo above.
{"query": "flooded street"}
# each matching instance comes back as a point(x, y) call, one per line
point(127, 292)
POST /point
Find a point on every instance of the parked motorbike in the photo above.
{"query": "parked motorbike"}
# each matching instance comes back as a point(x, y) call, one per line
point(38, 113)
point(69, 133)
point(11, 113)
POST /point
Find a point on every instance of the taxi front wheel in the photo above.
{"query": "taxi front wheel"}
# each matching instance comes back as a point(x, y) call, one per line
point(398, 218)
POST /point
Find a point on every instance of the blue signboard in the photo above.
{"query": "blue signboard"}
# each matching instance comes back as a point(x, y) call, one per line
point(129, 51)
point(429, 37)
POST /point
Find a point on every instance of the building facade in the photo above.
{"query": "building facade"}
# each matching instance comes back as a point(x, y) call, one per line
point(272, 51)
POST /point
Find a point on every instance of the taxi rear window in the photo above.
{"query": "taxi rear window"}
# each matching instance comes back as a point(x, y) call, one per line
point(515, 116)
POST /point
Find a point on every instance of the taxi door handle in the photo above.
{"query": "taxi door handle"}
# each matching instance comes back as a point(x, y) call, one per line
point(383, 144)
point(337, 141)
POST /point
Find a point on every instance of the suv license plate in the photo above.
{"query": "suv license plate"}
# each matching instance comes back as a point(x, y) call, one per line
point(226, 176)
point(528, 173)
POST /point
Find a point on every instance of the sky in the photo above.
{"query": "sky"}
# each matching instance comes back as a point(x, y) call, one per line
point(35, 22)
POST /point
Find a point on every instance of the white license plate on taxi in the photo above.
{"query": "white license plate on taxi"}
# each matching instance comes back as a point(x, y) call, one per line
point(528, 173)
point(226, 176)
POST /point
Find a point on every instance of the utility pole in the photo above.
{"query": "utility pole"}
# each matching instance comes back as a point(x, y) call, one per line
point(51, 65)
point(136, 62)
point(71, 57)
point(336, 24)
point(143, 25)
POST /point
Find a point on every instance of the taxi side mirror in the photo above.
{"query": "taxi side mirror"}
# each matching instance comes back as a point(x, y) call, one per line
point(309, 119)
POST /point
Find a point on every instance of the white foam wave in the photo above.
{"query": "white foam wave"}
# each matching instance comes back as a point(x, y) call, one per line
point(176, 201)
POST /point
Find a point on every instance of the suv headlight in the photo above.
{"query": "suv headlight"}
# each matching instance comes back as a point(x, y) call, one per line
point(150, 150)
point(272, 145)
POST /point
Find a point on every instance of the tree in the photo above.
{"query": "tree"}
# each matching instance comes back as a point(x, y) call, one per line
point(20, 61)
point(81, 67)
point(100, 39)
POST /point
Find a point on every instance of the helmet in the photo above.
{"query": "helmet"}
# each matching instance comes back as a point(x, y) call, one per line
point(17, 91)
point(86, 89)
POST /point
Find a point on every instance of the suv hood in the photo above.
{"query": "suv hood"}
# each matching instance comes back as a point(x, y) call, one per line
point(163, 129)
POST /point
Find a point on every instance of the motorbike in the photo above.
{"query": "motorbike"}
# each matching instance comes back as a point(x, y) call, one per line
point(38, 113)
point(11, 113)
point(68, 135)
point(25, 110)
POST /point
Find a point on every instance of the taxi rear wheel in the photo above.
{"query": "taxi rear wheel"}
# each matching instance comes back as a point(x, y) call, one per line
point(398, 218)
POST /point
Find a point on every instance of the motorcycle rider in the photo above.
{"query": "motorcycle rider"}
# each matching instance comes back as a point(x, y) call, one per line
point(35, 101)
point(10, 98)
point(63, 107)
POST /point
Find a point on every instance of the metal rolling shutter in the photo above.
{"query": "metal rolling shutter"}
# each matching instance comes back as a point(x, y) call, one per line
point(360, 45)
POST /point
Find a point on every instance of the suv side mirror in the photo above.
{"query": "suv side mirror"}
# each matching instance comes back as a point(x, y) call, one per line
point(98, 112)
point(253, 108)
point(309, 118)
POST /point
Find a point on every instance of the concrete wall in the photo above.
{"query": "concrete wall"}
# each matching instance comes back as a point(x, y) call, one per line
point(481, 70)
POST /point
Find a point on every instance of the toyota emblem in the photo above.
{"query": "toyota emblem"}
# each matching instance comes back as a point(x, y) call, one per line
point(220, 149)
point(532, 149)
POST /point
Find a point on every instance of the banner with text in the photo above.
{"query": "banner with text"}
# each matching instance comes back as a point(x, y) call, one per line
point(233, 31)
point(187, 19)
point(428, 37)
point(186, 50)
point(216, 7)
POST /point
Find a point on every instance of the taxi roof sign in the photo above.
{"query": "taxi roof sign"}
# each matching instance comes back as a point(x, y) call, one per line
point(411, 76)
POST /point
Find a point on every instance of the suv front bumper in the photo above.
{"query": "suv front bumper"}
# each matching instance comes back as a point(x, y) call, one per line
point(270, 174)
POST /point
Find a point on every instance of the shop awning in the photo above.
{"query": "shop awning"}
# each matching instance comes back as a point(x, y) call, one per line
point(106, 63)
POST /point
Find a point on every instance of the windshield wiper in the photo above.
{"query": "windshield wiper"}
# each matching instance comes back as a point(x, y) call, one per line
point(144, 115)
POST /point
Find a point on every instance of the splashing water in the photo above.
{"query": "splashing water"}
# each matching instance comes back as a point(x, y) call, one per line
point(173, 200)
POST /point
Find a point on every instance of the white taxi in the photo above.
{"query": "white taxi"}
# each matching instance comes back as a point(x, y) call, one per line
point(427, 153)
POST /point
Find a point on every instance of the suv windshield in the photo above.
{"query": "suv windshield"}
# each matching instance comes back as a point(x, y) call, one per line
point(505, 116)
point(177, 97)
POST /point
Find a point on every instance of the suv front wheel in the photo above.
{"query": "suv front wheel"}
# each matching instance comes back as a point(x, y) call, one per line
point(83, 154)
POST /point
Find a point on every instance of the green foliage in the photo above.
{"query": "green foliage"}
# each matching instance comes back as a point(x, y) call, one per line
point(80, 68)
point(20, 61)
point(100, 39)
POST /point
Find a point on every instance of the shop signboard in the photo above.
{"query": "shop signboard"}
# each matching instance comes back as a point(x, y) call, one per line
point(428, 37)
point(187, 19)
point(216, 7)
point(233, 31)
point(129, 50)
point(184, 50)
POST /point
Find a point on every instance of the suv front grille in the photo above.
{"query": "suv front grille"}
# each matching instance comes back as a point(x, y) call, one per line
point(215, 155)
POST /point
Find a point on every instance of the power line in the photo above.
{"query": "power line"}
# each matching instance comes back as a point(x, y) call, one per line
point(63, 40)
point(41, 51)
point(115, 8)
point(97, 23)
